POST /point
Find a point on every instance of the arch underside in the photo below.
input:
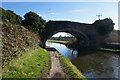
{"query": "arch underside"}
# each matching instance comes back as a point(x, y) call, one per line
point(81, 37)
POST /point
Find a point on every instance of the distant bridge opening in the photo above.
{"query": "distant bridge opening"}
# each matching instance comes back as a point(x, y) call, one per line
point(62, 37)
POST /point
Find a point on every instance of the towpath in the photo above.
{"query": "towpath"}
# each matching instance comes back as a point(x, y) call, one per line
point(56, 70)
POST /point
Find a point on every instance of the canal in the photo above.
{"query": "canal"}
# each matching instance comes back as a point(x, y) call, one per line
point(96, 64)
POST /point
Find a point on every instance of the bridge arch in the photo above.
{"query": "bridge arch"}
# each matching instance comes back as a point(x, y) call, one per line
point(76, 33)
point(92, 35)
point(68, 29)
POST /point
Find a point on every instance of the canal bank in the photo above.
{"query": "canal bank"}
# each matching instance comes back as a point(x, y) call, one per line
point(62, 68)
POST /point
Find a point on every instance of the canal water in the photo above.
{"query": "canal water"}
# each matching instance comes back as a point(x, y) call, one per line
point(96, 64)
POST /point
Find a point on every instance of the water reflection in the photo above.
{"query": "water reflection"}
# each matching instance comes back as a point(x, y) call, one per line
point(63, 50)
point(93, 65)
point(98, 65)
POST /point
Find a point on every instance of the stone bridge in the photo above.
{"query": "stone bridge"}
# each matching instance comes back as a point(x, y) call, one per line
point(88, 35)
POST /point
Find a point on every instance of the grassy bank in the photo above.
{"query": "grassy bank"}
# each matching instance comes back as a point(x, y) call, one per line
point(15, 40)
point(33, 64)
point(57, 41)
point(70, 70)
point(109, 50)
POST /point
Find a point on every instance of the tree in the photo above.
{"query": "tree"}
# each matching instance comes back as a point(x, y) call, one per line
point(10, 16)
point(104, 26)
point(33, 22)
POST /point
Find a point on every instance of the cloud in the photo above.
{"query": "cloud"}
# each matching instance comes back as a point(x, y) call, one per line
point(63, 34)
point(52, 13)
point(75, 11)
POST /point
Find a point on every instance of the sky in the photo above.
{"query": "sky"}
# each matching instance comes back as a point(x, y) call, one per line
point(84, 12)
point(59, 0)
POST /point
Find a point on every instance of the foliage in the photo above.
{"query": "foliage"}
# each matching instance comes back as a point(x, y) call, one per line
point(113, 37)
point(33, 22)
point(104, 26)
point(16, 39)
point(32, 64)
point(10, 16)
point(70, 70)
point(57, 41)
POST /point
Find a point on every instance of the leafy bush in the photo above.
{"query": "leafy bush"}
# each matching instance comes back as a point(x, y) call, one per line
point(104, 26)
point(10, 16)
point(16, 39)
point(33, 22)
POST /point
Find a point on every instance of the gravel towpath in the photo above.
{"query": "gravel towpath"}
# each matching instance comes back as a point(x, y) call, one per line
point(56, 70)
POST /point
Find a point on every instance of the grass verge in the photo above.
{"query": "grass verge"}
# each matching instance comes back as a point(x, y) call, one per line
point(111, 50)
point(57, 41)
point(33, 64)
point(70, 70)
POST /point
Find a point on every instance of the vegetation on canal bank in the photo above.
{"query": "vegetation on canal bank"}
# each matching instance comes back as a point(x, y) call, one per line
point(33, 64)
point(109, 50)
point(16, 40)
point(57, 41)
point(70, 70)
